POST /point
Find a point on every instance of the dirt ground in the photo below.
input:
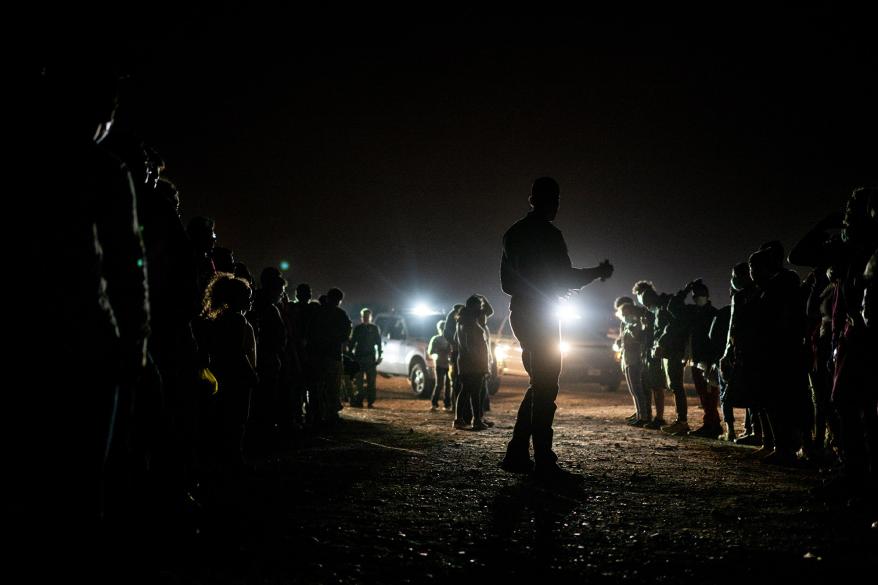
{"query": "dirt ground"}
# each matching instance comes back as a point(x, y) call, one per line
point(395, 495)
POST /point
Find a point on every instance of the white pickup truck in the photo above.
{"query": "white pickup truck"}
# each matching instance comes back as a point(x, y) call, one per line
point(405, 336)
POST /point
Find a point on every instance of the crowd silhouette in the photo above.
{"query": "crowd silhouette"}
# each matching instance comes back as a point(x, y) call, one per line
point(795, 353)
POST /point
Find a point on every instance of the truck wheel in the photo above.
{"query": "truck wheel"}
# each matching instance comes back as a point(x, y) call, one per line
point(421, 381)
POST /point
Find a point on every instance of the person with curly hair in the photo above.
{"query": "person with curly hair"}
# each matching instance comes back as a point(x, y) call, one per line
point(231, 346)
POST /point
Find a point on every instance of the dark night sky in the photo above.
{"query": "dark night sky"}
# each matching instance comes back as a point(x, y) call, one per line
point(392, 172)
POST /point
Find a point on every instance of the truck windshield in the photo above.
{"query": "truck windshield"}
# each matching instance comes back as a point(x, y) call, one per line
point(422, 327)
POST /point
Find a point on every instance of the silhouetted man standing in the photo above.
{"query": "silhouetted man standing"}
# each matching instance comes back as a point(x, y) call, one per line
point(535, 271)
point(367, 347)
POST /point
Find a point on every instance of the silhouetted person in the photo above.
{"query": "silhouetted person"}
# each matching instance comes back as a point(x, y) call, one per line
point(224, 260)
point(164, 407)
point(781, 364)
point(440, 349)
point(86, 338)
point(462, 408)
point(535, 271)
point(366, 348)
point(473, 365)
point(448, 332)
point(291, 369)
point(670, 335)
point(717, 337)
point(630, 343)
point(267, 412)
point(304, 313)
point(653, 376)
point(202, 236)
point(854, 391)
point(168, 191)
point(739, 363)
point(700, 315)
point(822, 284)
point(142, 450)
point(329, 331)
point(231, 344)
point(484, 314)
point(240, 270)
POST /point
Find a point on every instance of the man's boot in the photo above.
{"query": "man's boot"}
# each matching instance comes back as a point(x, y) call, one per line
point(517, 459)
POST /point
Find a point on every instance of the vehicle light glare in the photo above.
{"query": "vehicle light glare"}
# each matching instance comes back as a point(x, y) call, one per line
point(422, 310)
point(564, 348)
point(501, 352)
point(567, 313)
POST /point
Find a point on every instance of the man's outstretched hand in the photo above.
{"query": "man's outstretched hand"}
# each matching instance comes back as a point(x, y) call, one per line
point(605, 270)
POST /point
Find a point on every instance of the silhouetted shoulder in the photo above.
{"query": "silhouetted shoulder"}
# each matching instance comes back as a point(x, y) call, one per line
point(531, 227)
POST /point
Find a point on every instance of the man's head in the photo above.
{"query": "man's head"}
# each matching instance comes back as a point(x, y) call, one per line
point(201, 233)
point(240, 270)
point(167, 191)
point(223, 259)
point(545, 197)
point(303, 292)
point(620, 303)
point(645, 292)
point(273, 283)
point(775, 254)
point(623, 301)
point(629, 313)
point(440, 326)
point(762, 267)
point(131, 150)
point(334, 297)
point(741, 277)
point(700, 293)
point(366, 316)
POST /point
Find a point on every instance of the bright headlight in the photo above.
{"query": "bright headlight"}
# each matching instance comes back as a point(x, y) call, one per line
point(422, 310)
point(564, 348)
point(566, 312)
point(501, 352)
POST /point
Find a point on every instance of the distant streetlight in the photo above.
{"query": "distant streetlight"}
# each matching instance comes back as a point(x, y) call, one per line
point(284, 265)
